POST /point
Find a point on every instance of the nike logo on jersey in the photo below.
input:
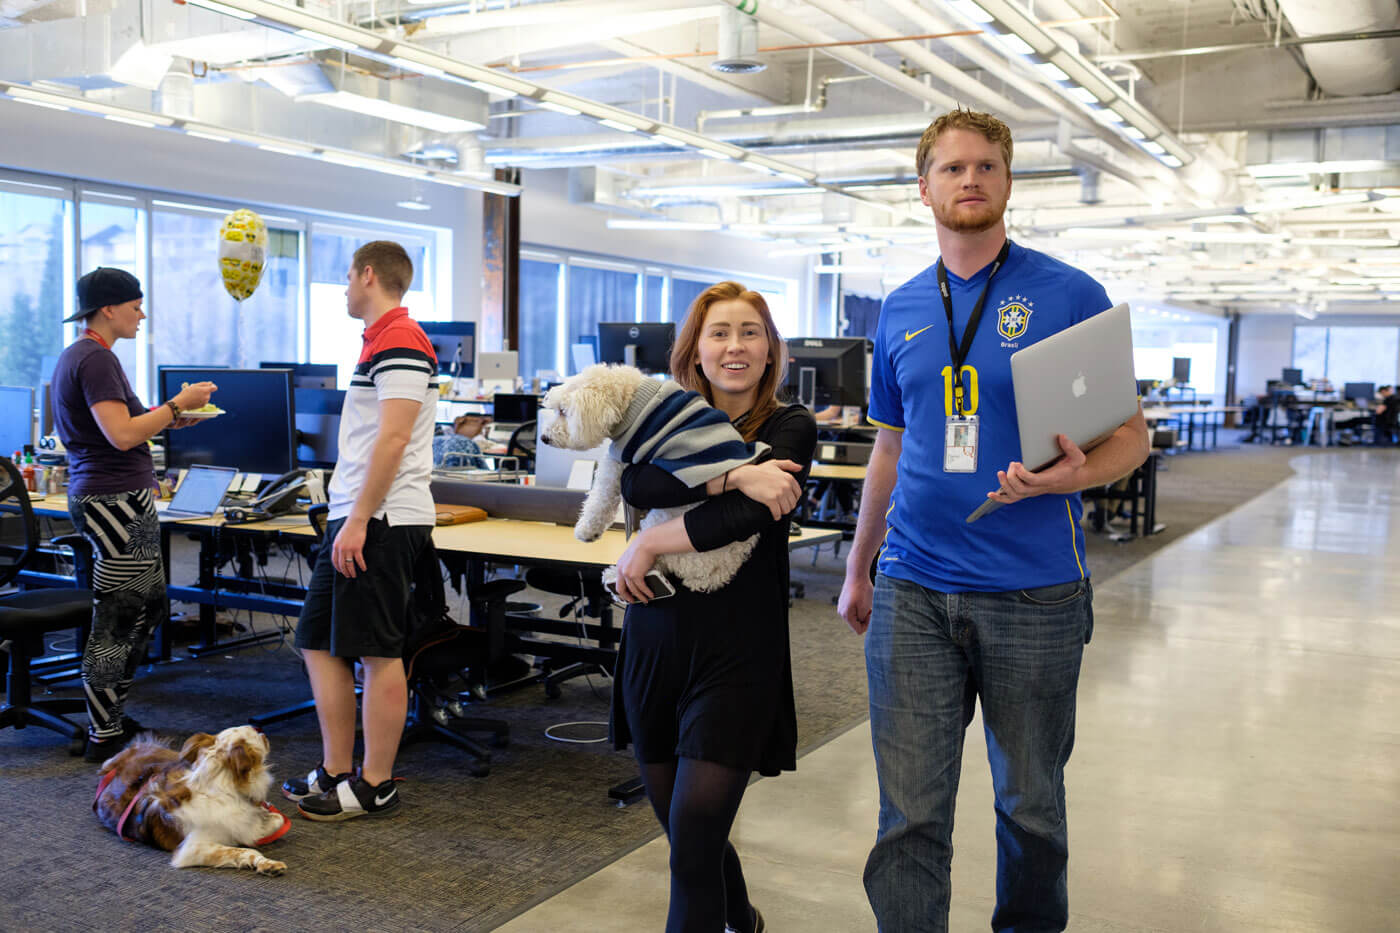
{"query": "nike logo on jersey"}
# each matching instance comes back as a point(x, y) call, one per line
point(910, 335)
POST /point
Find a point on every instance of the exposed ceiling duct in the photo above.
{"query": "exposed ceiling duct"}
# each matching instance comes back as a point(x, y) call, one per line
point(1348, 69)
point(738, 43)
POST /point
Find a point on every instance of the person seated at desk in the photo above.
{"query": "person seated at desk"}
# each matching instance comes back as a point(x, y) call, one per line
point(1387, 411)
point(459, 448)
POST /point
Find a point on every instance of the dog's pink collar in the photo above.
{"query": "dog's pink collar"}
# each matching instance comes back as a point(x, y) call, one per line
point(102, 783)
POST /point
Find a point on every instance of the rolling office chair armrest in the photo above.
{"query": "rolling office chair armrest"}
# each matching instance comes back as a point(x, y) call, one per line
point(82, 557)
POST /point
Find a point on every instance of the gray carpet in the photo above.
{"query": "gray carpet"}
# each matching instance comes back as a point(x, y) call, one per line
point(463, 853)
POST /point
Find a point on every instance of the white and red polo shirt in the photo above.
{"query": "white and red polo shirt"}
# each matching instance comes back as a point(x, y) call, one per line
point(397, 362)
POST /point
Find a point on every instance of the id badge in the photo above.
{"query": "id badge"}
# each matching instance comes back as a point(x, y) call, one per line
point(960, 444)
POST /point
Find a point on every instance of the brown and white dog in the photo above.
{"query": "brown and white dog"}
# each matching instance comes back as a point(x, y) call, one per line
point(204, 803)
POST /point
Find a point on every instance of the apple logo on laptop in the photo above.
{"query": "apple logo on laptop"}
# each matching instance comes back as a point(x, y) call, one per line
point(1079, 386)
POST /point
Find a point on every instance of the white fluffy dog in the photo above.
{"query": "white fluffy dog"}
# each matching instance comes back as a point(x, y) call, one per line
point(204, 803)
point(649, 421)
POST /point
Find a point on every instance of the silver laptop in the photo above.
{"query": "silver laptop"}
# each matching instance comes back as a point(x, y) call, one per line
point(1079, 383)
point(200, 494)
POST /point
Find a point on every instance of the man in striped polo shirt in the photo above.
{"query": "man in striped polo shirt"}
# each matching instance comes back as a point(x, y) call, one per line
point(381, 517)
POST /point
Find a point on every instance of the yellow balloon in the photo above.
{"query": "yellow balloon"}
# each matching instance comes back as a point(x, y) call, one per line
point(242, 252)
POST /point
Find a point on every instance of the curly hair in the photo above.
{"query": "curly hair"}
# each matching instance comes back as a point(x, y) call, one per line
point(992, 129)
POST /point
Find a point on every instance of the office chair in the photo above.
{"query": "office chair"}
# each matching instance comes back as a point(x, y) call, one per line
point(522, 444)
point(440, 650)
point(27, 616)
point(589, 598)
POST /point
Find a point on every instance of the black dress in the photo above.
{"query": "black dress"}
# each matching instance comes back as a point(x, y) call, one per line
point(708, 676)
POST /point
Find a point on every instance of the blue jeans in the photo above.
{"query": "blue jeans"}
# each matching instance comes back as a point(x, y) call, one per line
point(929, 656)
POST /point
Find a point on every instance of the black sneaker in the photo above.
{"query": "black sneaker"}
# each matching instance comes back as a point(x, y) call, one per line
point(317, 782)
point(99, 750)
point(352, 797)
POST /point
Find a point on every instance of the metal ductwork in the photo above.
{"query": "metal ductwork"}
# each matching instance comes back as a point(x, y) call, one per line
point(738, 43)
point(1349, 69)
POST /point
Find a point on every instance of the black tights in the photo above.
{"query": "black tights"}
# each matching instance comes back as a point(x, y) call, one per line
point(696, 802)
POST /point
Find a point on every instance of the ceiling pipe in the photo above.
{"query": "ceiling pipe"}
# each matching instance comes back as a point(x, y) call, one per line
point(1144, 55)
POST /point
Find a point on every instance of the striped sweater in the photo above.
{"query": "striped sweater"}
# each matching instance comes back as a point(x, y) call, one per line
point(678, 431)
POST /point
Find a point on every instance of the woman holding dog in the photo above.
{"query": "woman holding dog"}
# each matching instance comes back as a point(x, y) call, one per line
point(703, 688)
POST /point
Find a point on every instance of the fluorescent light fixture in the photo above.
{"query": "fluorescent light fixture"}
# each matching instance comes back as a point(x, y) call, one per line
point(324, 39)
point(1289, 169)
point(1105, 115)
point(129, 121)
point(283, 150)
point(559, 108)
point(1012, 42)
point(212, 137)
point(40, 103)
point(374, 165)
point(1155, 148)
point(414, 205)
point(490, 88)
point(663, 225)
point(1052, 71)
point(1133, 132)
point(1171, 161)
point(1083, 95)
point(971, 11)
point(619, 126)
point(791, 176)
point(386, 110)
point(89, 106)
point(1349, 242)
point(714, 154)
point(407, 65)
point(215, 7)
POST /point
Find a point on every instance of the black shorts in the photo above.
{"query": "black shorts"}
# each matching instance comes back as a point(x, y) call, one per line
point(365, 616)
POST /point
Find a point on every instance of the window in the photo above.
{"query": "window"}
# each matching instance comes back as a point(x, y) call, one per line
point(334, 338)
point(599, 293)
point(194, 321)
point(540, 284)
point(112, 232)
point(1347, 354)
point(36, 289)
point(1157, 344)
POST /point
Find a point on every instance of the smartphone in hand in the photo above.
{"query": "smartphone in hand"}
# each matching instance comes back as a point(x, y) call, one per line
point(655, 580)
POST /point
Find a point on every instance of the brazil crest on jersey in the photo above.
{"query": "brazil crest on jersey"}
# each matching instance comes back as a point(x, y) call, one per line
point(1032, 543)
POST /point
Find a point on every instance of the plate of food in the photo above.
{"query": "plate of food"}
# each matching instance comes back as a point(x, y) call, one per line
point(208, 411)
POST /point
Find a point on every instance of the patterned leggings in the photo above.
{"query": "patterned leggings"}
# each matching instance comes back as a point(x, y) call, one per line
point(128, 583)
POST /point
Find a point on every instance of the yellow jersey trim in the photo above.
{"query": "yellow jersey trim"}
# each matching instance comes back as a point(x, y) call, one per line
point(881, 424)
point(1073, 545)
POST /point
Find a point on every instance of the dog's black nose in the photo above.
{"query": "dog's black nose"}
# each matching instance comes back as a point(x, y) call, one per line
point(546, 441)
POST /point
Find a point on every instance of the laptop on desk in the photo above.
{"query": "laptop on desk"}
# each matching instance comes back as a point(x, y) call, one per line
point(200, 494)
point(1079, 383)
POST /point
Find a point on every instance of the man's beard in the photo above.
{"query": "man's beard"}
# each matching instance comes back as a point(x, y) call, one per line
point(986, 216)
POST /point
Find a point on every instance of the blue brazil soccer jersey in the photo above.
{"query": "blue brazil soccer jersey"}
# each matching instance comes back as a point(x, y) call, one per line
point(1032, 543)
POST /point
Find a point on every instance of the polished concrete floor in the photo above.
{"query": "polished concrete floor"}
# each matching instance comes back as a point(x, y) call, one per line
point(1238, 757)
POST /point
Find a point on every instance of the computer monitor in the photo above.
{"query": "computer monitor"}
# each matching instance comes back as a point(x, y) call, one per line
point(16, 419)
point(318, 426)
point(515, 408)
point(1293, 377)
point(824, 371)
point(307, 375)
point(645, 346)
point(1359, 391)
point(46, 368)
point(501, 365)
point(256, 433)
point(1145, 387)
point(454, 342)
point(1181, 370)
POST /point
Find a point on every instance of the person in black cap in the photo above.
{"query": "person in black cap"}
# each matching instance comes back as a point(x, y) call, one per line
point(105, 427)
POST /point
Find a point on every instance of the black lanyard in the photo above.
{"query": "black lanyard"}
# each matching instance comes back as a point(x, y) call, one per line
point(959, 351)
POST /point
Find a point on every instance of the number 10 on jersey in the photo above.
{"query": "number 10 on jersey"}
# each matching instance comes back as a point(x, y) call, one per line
point(969, 381)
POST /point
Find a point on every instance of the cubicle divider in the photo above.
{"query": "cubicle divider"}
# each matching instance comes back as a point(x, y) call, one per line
point(503, 500)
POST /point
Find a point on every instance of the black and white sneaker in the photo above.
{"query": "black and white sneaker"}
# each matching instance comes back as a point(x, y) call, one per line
point(352, 797)
point(317, 782)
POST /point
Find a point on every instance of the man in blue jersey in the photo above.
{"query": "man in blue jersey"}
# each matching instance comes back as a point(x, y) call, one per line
point(998, 609)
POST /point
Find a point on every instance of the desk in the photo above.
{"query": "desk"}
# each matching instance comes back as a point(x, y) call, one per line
point(837, 471)
point(1210, 417)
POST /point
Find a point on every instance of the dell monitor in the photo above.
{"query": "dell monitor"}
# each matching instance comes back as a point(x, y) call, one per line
point(1181, 370)
point(318, 426)
point(307, 375)
point(454, 343)
point(16, 419)
point(256, 433)
point(1364, 392)
point(645, 346)
point(824, 371)
point(1292, 377)
point(514, 408)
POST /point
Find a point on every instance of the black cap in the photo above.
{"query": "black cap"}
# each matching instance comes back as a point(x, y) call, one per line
point(104, 286)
